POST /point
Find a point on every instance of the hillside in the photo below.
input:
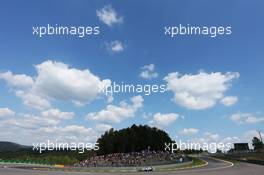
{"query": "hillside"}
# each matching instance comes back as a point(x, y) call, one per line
point(10, 146)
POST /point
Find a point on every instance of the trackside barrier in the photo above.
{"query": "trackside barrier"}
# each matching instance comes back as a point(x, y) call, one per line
point(25, 162)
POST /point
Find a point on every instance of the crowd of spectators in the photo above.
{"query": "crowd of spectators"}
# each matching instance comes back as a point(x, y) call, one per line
point(131, 159)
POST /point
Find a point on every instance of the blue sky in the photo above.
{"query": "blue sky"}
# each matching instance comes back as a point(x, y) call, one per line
point(138, 28)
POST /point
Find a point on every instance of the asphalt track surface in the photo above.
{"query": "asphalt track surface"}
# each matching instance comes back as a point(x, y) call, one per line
point(214, 167)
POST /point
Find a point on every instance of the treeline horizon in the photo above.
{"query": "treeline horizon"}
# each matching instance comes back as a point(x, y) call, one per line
point(133, 139)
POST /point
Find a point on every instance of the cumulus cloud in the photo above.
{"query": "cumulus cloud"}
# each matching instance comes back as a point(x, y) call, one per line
point(56, 81)
point(229, 100)
point(29, 128)
point(20, 80)
point(188, 131)
point(246, 118)
point(228, 141)
point(211, 136)
point(109, 16)
point(231, 140)
point(163, 120)
point(33, 99)
point(102, 127)
point(246, 137)
point(199, 91)
point(6, 112)
point(68, 134)
point(57, 114)
point(207, 138)
point(115, 114)
point(148, 72)
point(51, 117)
point(115, 46)
point(29, 121)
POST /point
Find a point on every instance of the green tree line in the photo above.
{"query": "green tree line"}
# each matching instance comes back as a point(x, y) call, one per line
point(133, 139)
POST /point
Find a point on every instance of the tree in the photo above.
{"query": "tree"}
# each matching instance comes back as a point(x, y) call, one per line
point(133, 139)
point(257, 144)
point(219, 151)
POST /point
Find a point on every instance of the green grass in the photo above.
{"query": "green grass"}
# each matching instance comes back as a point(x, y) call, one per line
point(196, 162)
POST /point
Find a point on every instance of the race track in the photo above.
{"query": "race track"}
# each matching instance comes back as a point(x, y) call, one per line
point(214, 167)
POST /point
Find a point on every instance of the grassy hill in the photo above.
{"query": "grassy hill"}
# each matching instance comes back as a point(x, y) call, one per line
point(10, 146)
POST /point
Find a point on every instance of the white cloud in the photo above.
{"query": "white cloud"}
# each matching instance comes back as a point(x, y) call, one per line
point(51, 117)
point(246, 118)
point(235, 117)
point(148, 72)
point(248, 135)
point(109, 16)
point(149, 67)
point(67, 134)
point(68, 130)
point(29, 128)
point(6, 112)
point(103, 127)
point(115, 114)
point(245, 137)
point(56, 81)
point(253, 119)
point(211, 136)
point(115, 46)
point(20, 80)
point(188, 131)
point(207, 139)
point(64, 134)
point(200, 91)
point(147, 115)
point(22, 86)
point(33, 100)
point(28, 121)
point(231, 140)
point(163, 120)
point(57, 114)
point(229, 100)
